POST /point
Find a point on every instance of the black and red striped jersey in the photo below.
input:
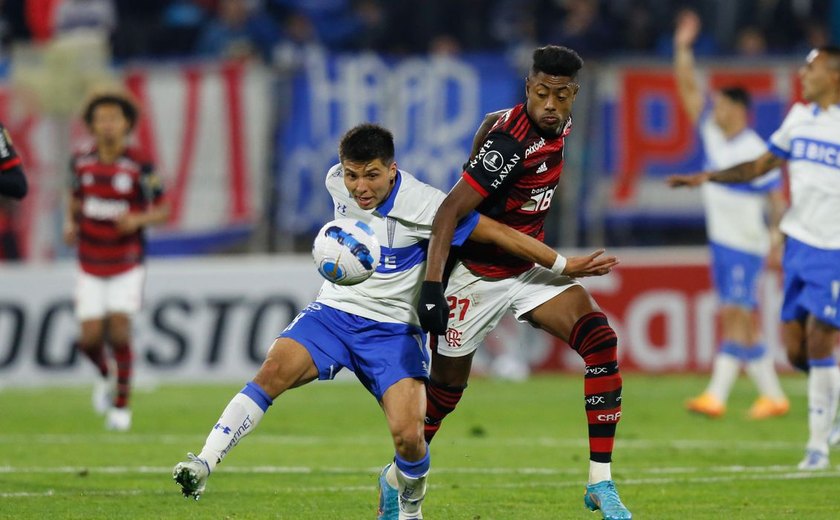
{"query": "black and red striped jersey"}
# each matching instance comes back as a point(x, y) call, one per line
point(12, 180)
point(517, 170)
point(105, 192)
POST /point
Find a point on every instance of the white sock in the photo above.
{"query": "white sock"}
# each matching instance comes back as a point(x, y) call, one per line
point(724, 373)
point(238, 419)
point(599, 471)
point(823, 387)
point(763, 375)
point(412, 492)
point(391, 476)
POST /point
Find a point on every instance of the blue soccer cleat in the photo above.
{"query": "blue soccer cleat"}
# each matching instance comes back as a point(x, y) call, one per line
point(389, 498)
point(604, 496)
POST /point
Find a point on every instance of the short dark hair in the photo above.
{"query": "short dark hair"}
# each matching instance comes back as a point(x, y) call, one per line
point(833, 52)
point(126, 104)
point(737, 95)
point(555, 60)
point(367, 142)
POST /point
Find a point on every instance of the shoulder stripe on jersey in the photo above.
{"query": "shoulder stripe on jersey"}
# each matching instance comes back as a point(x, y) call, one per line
point(521, 128)
point(510, 123)
point(476, 186)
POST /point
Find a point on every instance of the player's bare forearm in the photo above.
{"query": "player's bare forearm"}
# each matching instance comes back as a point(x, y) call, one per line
point(688, 27)
point(513, 241)
point(747, 171)
point(443, 229)
point(460, 201)
point(157, 214)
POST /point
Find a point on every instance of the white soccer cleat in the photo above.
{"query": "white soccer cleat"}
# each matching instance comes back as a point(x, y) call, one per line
point(118, 419)
point(192, 476)
point(814, 461)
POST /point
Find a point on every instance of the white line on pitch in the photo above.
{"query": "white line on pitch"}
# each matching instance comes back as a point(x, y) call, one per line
point(465, 485)
point(172, 439)
point(121, 470)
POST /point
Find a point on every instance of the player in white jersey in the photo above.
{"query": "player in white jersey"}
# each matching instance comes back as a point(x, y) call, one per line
point(371, 328)
point(739, 237)
point(809, 141)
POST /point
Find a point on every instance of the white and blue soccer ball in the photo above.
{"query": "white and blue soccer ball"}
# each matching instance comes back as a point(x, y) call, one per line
point(346, 251)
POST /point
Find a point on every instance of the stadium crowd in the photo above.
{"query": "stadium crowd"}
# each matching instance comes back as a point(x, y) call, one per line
point(260, 28)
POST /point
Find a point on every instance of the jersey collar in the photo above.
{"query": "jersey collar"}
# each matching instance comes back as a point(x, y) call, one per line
point(388, 204)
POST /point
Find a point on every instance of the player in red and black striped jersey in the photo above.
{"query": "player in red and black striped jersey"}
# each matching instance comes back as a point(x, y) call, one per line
point(512, 176)
point(115, 193)
point(516, 171)
point(12, 179)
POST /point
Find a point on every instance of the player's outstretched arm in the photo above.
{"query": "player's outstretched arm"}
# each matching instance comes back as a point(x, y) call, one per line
point(691, 97)
point(593, 264)
point(743, 172)
point(529, 248)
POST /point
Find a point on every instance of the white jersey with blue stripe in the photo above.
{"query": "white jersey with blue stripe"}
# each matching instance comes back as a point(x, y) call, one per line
point(809, 139)
point(403, 224)
point(735, 213)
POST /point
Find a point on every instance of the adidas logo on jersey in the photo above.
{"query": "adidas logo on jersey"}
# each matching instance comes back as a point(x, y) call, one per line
point(542, 168)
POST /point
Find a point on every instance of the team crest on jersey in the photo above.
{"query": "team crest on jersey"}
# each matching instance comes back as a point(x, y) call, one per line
point(121, 182)
point(493, 161)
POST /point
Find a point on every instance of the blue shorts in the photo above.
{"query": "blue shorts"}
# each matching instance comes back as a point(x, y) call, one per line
point(811, 283)
point(379, 353)
point(735, 275)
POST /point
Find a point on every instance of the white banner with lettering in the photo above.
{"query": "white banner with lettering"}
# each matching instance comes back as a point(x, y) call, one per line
point(209, 320)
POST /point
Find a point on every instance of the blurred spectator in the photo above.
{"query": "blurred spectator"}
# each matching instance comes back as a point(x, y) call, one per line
point(85, 15)
point(581, 27)
point(75, 58)
point(750, 42)
point(240, 30)
point(636, 27)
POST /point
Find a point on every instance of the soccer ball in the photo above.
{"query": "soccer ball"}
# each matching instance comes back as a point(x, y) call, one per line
point(346, 251)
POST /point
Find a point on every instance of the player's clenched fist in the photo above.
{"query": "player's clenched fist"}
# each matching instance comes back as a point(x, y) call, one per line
point(432, 308)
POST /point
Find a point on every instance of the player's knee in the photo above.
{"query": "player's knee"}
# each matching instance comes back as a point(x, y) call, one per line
point(410, 442)
point(451, 371)
point(594, 339)
point(90, 340)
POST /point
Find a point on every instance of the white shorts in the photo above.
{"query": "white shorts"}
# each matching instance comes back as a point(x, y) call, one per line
point(98, 296)
point(477, 304)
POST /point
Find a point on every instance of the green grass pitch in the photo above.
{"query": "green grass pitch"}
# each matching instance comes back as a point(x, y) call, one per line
point(511, 451)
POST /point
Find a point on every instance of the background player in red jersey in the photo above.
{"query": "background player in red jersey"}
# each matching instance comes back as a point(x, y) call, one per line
point(12, 179)
point(115, 193)
point(512, 177)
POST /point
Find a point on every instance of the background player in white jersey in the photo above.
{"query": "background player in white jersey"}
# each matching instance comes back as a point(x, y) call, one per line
point(370, 328)
point(739, 237)
point(809, 141)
